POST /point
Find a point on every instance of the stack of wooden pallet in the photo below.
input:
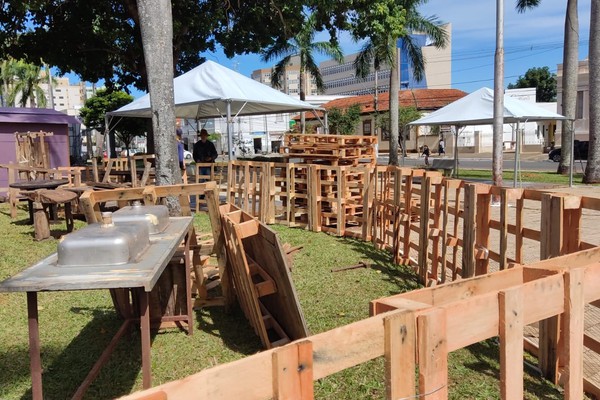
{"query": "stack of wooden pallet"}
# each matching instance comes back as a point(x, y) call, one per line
point(331, 149)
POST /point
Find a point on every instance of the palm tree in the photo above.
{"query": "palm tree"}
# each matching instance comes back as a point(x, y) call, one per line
point(569, 78)
point(302, 46)
point(27, 84)
point(592, 169)
point(383, 49)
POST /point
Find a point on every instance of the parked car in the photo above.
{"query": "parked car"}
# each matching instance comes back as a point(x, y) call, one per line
point(580, 148)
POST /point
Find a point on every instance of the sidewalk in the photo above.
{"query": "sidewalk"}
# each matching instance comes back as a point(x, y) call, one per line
point(506, 155)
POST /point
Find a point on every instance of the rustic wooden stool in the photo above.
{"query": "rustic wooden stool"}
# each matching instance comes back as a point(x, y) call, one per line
point(42, 198)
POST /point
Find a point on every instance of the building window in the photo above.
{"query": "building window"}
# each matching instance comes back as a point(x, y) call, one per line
point(367, 127)
point(579, 105)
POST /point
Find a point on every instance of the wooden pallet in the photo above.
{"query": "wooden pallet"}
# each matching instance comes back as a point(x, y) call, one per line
point(261, 278)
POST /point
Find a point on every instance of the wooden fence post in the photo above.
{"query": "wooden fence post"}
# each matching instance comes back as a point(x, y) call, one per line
point(400, 352)
point(573, 335)
point(482, 233)
point(510, 302)
point(313, 194)
point(424, 229)
point(432, 354)
point(293, 372)
point(551, 239)
point(468, 253)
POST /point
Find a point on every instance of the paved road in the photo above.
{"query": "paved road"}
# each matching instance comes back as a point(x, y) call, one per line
point(538, 163)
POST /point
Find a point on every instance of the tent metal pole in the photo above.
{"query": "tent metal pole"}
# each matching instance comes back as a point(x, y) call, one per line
point(229, 131)
point(456, 151)
point(326, 123)
point(517, 154)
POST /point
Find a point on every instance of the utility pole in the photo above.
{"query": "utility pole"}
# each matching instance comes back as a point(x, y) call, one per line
point(498, 131)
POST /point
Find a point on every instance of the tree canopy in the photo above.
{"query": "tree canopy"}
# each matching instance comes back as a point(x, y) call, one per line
point(96, 108)
point(344, 122)
point(540, 78)
point(101, 39)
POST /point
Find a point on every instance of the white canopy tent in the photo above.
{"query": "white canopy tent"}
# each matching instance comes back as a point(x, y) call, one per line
point(477, 108)
point(212, 91)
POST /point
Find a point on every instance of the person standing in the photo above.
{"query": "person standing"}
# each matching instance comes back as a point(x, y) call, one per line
point(204, 152)
point(178, 135)
point(442, 147)
point(426, 154)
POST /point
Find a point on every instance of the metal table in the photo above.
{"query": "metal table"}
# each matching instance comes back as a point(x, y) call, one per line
point(140, 277)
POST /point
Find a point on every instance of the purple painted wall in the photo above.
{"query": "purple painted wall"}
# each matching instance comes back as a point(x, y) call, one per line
point(34, 120)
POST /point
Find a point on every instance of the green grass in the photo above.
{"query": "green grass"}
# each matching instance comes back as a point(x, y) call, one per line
point(76, 326)
point(524, 176)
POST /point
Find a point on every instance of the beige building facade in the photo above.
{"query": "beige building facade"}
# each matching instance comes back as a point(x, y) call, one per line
point(582, 106)
point(291, 79)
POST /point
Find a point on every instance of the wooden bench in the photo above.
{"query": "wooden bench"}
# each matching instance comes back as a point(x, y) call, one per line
point(445, 164)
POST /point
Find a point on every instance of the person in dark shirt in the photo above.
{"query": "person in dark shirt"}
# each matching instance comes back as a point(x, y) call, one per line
point(204, 152)
point(178, 134)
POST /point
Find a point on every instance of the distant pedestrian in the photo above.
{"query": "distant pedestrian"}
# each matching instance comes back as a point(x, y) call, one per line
point(442, 147)
point(426, 154)
point(178, 135)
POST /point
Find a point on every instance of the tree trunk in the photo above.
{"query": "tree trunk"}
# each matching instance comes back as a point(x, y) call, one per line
point(394, 106)
point(498, 132)
point(569, 84)
point(302, 82)
point(156, 23)
point(592, 170)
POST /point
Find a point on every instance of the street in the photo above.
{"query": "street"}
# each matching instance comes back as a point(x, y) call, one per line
point(537, 162)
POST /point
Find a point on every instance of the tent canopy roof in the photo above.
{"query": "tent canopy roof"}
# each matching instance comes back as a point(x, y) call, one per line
point(477, 108)
point(205, 91)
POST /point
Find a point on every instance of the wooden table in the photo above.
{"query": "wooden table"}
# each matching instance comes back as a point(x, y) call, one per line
point(140, 277)
point(35, 185)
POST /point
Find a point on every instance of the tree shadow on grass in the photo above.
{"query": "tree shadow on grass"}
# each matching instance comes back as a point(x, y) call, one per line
point(381, 260)
point(69, 366)
point(484, 358)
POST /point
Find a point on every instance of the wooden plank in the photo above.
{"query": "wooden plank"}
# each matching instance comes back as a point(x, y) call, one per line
point(573, 333)
point(511, 343)
point(432, 354)
point(293, 372)
point(424, 230)
point(469, 231)
point(400, 352)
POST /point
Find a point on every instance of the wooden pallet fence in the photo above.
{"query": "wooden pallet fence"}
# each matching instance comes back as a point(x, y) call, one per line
point(215, 172)
point(246, 180)
point(417, 330)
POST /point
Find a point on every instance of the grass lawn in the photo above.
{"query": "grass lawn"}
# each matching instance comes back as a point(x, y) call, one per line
point(524, 176)
point(76, 326)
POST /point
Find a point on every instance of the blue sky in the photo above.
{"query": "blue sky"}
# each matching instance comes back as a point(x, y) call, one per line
point(532, 39)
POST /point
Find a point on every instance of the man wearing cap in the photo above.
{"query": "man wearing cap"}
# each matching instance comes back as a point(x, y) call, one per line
point(204, 152)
